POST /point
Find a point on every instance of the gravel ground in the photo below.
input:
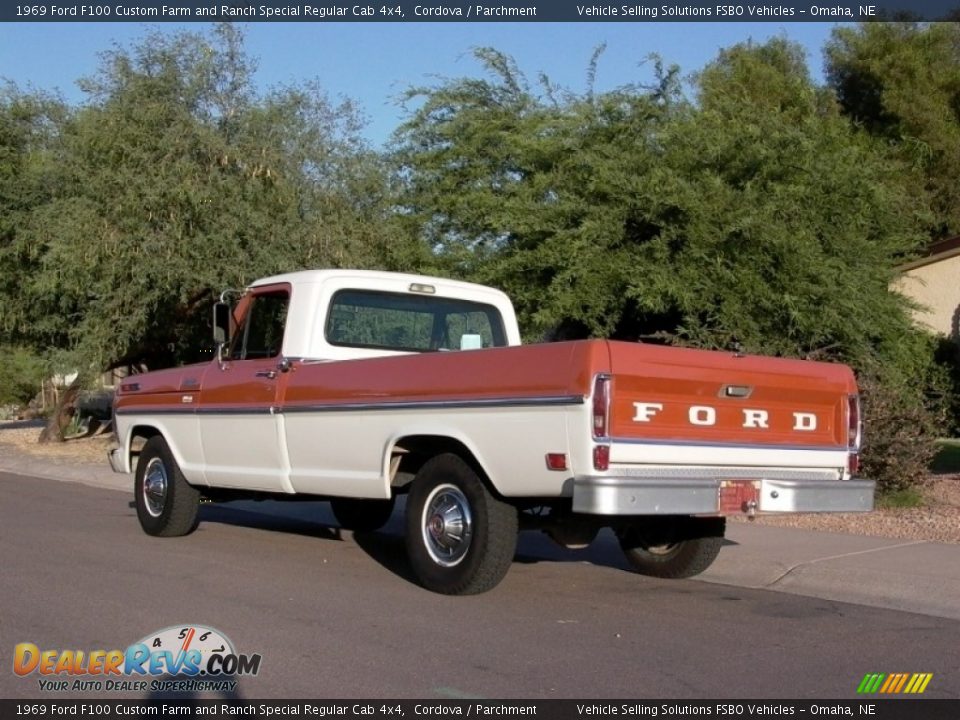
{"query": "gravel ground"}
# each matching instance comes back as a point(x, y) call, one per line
point(22, 437)
point(938, 519)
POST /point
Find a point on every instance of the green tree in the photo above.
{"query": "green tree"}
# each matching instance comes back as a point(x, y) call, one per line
point(755, 216)
point(21, 375)
point(901, 82)
point(791, 222)
point(177, 179)
point(533, 188)
point(29, 158)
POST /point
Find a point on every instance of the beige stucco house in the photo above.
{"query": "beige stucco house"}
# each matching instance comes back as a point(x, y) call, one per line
point(934, 282)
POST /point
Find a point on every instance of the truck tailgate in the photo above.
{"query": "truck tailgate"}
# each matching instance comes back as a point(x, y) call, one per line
point(675, 395)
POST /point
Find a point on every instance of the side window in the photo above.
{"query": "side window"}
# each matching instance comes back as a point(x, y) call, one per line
point(261, 335)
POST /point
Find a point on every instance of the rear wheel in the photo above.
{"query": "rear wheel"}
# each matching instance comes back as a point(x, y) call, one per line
point(460, 538)
point(167, 505)
point(681, 551)
point(361, 515)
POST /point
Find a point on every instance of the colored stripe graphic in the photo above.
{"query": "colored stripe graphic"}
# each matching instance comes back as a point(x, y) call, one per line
point(871, 682)
point(894, 683)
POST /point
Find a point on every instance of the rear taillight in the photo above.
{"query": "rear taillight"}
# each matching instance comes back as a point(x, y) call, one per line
point(556, 461)
point(601, 407)
point(601, 457)
point(854, 434)
point(853, 463)
point(601, 421)
point(854, 425)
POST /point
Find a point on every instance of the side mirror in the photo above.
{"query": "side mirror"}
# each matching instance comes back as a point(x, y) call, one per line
point(221, 323)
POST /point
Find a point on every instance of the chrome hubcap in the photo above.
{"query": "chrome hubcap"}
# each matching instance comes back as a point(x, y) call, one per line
point(662, 550)
point(155, 487)
point(447, 525)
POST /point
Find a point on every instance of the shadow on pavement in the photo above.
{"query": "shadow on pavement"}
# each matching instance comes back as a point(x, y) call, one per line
point(386, 546)
point(229, 514)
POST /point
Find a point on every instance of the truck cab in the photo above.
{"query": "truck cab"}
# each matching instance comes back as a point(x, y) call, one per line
point(351, 314)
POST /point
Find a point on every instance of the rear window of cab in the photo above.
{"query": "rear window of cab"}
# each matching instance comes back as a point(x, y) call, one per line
point(411, 322)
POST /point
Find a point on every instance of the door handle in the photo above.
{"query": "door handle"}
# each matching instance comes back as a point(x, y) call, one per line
point(269, 374)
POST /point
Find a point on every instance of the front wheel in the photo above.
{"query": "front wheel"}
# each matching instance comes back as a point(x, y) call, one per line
point(167, 505)
point(460, 538)
point(686, 552)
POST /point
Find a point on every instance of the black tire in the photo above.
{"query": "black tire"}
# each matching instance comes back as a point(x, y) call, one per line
point(361, 515)
point(675, 558)
point(448, 501)
point(167, 505)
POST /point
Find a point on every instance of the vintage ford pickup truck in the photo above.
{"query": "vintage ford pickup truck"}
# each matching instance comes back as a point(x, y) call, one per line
point(356, 387)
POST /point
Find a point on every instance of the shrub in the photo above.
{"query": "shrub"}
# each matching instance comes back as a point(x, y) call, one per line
point(947, 356)
point(21, 374)
point(901, 429)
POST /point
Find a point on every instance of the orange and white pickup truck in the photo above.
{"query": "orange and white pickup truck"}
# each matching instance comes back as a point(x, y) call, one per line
point(357, 387)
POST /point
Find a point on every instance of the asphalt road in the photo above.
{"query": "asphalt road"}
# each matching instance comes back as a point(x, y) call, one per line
point(337, 616)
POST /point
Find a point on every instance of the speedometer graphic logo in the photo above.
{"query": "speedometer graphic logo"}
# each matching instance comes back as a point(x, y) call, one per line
point(199, 643)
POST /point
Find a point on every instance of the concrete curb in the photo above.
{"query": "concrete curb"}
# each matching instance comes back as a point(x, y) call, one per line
point(63, 470)
point(908, 575)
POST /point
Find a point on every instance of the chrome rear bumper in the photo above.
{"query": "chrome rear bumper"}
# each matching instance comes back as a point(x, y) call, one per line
point(632, 495)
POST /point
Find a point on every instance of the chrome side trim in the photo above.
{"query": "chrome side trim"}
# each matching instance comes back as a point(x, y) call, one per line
point(687, 472)
point(262, 410)
point(194, 410)
point(156, 411)
point(545, 401)
point(624, 494)
point(708, 443)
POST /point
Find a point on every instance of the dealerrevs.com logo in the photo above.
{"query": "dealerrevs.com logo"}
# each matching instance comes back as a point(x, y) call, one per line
point(179, 658)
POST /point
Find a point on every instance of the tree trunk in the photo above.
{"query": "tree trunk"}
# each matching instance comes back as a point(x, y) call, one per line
point(62, 414)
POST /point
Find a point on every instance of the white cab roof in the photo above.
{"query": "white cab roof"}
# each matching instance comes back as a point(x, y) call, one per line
point(301, 277)
point(313, 290)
